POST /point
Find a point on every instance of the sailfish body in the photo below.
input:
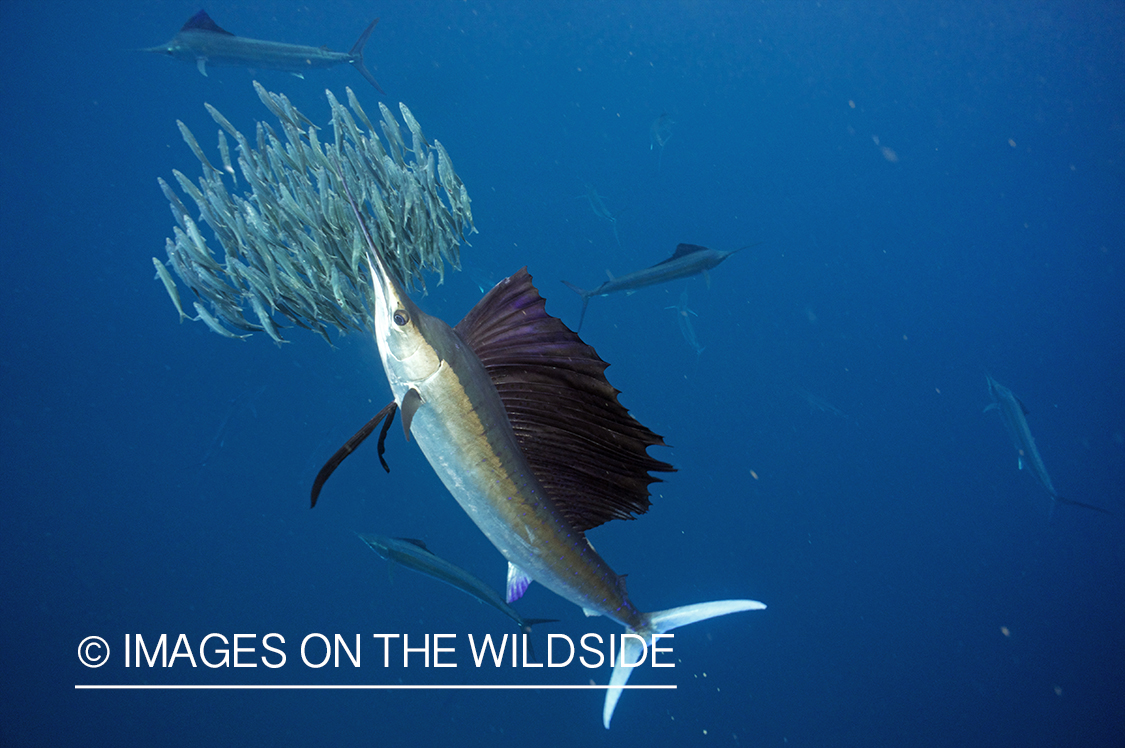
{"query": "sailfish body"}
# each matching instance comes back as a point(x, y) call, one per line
point(413, 554)
point(204, 42)
point(686, 261)
point(514, 414)
point(1014, 413)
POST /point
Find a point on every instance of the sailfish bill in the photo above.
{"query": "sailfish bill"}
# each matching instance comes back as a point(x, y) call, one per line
point(1014, 413)
point(516, 417)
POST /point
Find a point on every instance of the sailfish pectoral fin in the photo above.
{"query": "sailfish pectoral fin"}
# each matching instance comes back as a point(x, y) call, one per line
point(201, 64)
point(383, 433)
point(385, 416)
point(411, 401)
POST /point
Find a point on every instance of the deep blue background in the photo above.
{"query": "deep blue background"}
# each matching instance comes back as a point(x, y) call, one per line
point(892, 542)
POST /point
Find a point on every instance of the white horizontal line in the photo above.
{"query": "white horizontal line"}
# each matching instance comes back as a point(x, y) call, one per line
point(388, 687)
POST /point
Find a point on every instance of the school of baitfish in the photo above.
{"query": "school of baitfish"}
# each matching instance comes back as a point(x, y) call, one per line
point(291, 249)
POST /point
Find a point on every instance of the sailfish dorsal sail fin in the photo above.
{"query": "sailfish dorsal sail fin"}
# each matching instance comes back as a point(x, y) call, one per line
point(683, 250)
point(587, 451)
point(687, 249)
point(202, 22)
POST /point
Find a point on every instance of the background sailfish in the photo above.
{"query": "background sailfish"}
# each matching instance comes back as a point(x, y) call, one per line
point(204, 42)
point(1014, 413)
point(515, 415)
point(659, 133)
point(413, 554)
point(686, 261)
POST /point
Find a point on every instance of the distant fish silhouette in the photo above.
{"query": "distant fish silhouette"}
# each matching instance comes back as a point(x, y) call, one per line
point(1014, 414)
point(413, 554)
point(243, 401)
point(204, 42)
point(683, 319)
point(659, 133)
point(597, 204)
point(816, 402)
point(687, 260)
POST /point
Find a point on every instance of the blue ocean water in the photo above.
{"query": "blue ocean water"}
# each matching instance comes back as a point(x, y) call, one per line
point(935, 192)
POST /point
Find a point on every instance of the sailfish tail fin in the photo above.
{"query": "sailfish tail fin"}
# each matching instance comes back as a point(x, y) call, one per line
point(356, 54)
point(585, 300)
point(662, 621)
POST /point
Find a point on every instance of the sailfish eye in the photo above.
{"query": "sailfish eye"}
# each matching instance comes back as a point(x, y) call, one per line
point(400, 317)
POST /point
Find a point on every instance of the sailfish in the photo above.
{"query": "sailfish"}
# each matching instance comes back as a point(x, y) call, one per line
point(686, 261)
point(1014, 413)
point(660, 132)
point(413, 554)
point(204, 42)
point(514, 413)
